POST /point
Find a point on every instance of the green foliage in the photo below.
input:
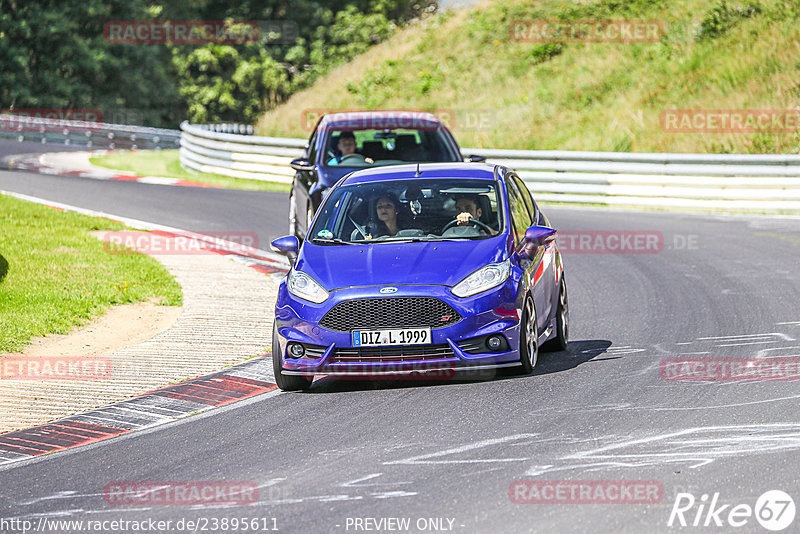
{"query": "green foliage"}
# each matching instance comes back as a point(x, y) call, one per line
point(722, 17)
point(54, 55)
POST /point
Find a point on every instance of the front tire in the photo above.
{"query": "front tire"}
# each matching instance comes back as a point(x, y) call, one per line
point(285, 382)
point(528, 338)
point(561, 340)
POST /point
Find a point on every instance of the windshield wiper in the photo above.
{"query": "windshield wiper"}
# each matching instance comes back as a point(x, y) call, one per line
point(336, 241)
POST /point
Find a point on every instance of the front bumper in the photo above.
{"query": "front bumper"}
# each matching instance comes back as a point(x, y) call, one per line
point(455, 348)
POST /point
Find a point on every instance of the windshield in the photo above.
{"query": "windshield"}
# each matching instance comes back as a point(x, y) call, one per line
point(409, 210)
point(371, 147)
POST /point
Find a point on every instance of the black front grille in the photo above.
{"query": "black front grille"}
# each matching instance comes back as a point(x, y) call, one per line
point(389, 312)
point(393, 354)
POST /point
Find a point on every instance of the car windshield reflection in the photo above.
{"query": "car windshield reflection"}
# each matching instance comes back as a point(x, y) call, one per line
point(409, 211)
point(387, 146)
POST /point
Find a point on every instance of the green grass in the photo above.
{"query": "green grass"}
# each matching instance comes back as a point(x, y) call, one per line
point(54, 275)
point(714, 54)
point(167, 164)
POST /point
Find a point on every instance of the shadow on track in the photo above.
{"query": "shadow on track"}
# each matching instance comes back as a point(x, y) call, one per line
point(577, 352)
point(553, 362)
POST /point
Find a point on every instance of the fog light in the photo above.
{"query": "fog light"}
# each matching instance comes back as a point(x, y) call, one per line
point(494, 343)
point(296, 350)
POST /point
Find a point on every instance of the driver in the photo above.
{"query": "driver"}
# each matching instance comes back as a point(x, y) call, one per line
point(346, 146)
point(468, 208)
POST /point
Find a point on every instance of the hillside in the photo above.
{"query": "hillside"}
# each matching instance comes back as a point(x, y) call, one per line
point(496, 88)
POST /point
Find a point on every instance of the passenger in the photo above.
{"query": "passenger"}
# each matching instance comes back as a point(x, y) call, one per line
point(387, 209)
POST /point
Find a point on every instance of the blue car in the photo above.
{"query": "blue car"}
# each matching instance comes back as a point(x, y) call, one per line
point(417, 269)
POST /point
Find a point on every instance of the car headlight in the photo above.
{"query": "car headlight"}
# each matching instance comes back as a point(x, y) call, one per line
point(301, 285)
point(484, 278)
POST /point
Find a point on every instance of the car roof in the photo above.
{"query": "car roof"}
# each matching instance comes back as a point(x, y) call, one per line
point(376, 120)
point(480, 171)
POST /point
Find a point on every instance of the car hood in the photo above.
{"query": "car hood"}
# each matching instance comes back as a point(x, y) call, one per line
point(434, 262)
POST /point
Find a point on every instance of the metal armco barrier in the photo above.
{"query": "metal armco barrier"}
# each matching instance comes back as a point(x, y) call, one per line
point(720, 181)
point(768, 183)
point(86, 134)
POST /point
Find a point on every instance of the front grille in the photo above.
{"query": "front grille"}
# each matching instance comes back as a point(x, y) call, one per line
point(392, 354)
point(389, 312)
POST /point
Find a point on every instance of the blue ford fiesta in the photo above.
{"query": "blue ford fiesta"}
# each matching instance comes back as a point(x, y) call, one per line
point(417, 270)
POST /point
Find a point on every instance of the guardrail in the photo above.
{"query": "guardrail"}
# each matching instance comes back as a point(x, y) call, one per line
point(86, 134)
point(725, 181)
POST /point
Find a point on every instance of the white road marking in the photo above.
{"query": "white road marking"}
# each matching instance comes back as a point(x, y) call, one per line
point(747, 336)
point(748, 343)
point(356, 483)
point(697, 446)
point(425, 459)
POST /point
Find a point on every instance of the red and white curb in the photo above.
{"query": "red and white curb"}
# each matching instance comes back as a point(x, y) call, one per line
point(163, 405)
point(154, 408)
point(33, 162)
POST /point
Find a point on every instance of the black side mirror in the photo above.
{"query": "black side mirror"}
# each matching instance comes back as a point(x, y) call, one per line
point(474, 158)
point(301, 164)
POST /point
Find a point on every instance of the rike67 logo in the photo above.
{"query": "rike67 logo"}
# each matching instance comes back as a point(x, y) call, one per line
point(774, 510)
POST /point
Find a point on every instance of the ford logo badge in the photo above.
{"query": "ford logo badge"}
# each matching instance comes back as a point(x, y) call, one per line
point(387, 290)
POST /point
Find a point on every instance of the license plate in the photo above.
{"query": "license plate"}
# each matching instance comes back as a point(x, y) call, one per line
point(399, 336)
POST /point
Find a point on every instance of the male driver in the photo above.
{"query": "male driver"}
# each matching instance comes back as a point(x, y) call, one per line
point(346, 146)
point(467, 208)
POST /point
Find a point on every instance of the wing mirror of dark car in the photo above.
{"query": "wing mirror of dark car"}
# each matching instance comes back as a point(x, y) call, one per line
point(538, 236)
point(474, 158)
point(301, 164)
point(287, 245)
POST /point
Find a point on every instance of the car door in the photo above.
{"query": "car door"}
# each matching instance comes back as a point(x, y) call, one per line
point(548, 274)
point(304, 180)
point(535, 267)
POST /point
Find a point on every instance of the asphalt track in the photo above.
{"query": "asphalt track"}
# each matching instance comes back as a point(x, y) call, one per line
point(716, 287)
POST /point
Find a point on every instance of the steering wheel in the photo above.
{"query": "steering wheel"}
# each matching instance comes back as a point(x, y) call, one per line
point(471, 220)
point(352, 159)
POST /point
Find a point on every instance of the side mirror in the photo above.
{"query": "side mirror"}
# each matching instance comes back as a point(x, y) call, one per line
point(538, 236)
point(301, 164)
point(287, 245)
point(474, 158)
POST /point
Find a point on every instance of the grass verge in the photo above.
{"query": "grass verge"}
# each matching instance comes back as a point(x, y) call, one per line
point(54, 275)
point(166, 163)
point(497, 89)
